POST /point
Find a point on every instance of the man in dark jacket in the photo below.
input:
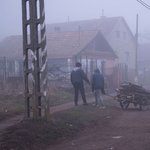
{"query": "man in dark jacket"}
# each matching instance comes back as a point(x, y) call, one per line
point(77, 77)
point(98, 87)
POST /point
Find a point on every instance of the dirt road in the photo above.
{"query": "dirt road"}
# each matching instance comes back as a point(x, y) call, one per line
point(121, 130)
point(124, 130)
point(16, 119)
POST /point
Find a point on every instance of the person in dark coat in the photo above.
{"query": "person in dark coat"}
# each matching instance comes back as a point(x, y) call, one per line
point(98, 87)
point(77, 77)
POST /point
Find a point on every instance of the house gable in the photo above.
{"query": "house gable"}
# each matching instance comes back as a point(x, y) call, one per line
point(99, 46)
point(123, 42)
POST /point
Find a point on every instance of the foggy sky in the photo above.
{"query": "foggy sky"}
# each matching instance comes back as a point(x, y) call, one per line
point(59, 10)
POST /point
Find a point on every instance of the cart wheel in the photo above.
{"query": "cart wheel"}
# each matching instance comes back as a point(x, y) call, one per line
point(124, 105)
point(143, 105)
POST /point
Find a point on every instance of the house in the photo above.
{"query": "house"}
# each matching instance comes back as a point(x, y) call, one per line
point(88, 47)
point(65, 49)
point(143, 63)
point(115, 30)
point(11, 66)
point(143, 57)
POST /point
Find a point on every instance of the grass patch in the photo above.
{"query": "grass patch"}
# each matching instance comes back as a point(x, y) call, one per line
point(64, 95)
point(40, 134)
point(11, 105)
point(60, 96)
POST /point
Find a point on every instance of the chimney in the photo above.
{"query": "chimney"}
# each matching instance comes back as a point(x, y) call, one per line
point(79, 34)
point(103, 17)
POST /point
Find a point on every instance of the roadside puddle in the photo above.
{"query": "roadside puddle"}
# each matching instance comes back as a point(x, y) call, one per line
point(117, 137)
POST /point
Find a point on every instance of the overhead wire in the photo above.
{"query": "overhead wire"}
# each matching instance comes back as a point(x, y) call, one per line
point(144, 4)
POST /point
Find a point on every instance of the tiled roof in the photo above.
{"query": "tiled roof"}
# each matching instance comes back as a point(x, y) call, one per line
point(59, 45)
point(68, 44)
point(105, 25)
point(11, 47)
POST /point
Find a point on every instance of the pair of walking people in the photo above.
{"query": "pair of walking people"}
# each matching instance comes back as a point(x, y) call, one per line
point(77, 77)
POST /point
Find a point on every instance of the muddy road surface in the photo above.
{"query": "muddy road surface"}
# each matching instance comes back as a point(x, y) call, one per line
point(123, 130)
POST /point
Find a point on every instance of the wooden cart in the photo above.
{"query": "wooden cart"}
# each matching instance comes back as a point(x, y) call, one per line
point(131, 93)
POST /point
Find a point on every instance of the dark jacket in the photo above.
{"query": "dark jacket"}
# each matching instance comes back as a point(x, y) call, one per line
point(78, 75)
point(97, 81)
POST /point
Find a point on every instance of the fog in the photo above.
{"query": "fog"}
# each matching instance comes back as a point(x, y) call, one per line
point(61, 10)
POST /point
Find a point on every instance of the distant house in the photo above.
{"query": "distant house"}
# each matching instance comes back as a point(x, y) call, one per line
point(11, 52)
point(143, 58)
point(115, 30)
point(89, 47)
point(144, 63)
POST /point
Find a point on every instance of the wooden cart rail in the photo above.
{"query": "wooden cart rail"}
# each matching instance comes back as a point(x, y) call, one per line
point(131, 93)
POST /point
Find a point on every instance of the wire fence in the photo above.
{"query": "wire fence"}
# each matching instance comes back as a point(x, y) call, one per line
point(11, 73)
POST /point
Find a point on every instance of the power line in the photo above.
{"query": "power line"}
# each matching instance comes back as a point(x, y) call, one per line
point(144, 4)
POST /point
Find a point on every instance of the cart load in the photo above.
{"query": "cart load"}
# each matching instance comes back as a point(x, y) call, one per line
point(132, 93)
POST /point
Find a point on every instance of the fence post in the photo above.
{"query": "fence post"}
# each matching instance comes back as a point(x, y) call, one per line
point(87, 66)
point(4, 71)
point(102, 68)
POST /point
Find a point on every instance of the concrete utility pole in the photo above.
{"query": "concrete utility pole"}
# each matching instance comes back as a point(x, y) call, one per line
point(136, 49)
point(34, 41)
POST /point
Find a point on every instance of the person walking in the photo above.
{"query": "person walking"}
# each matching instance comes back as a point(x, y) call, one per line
point(98, 87)
point(77, 77)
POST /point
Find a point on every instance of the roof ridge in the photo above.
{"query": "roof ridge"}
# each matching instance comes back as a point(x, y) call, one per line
point(73, 31)
point(84, 20)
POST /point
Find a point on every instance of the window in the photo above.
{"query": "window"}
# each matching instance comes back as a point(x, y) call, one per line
point(57, 29)
point(124, 35)
point(127, 57)
point(118, 34)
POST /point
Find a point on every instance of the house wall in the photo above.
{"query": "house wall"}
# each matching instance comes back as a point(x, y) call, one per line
point(123, 44)
point(109, 61)
point(94, 62)
point(61, 76)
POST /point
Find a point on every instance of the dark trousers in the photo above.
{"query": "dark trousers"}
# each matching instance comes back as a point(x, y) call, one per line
point(79, 86)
